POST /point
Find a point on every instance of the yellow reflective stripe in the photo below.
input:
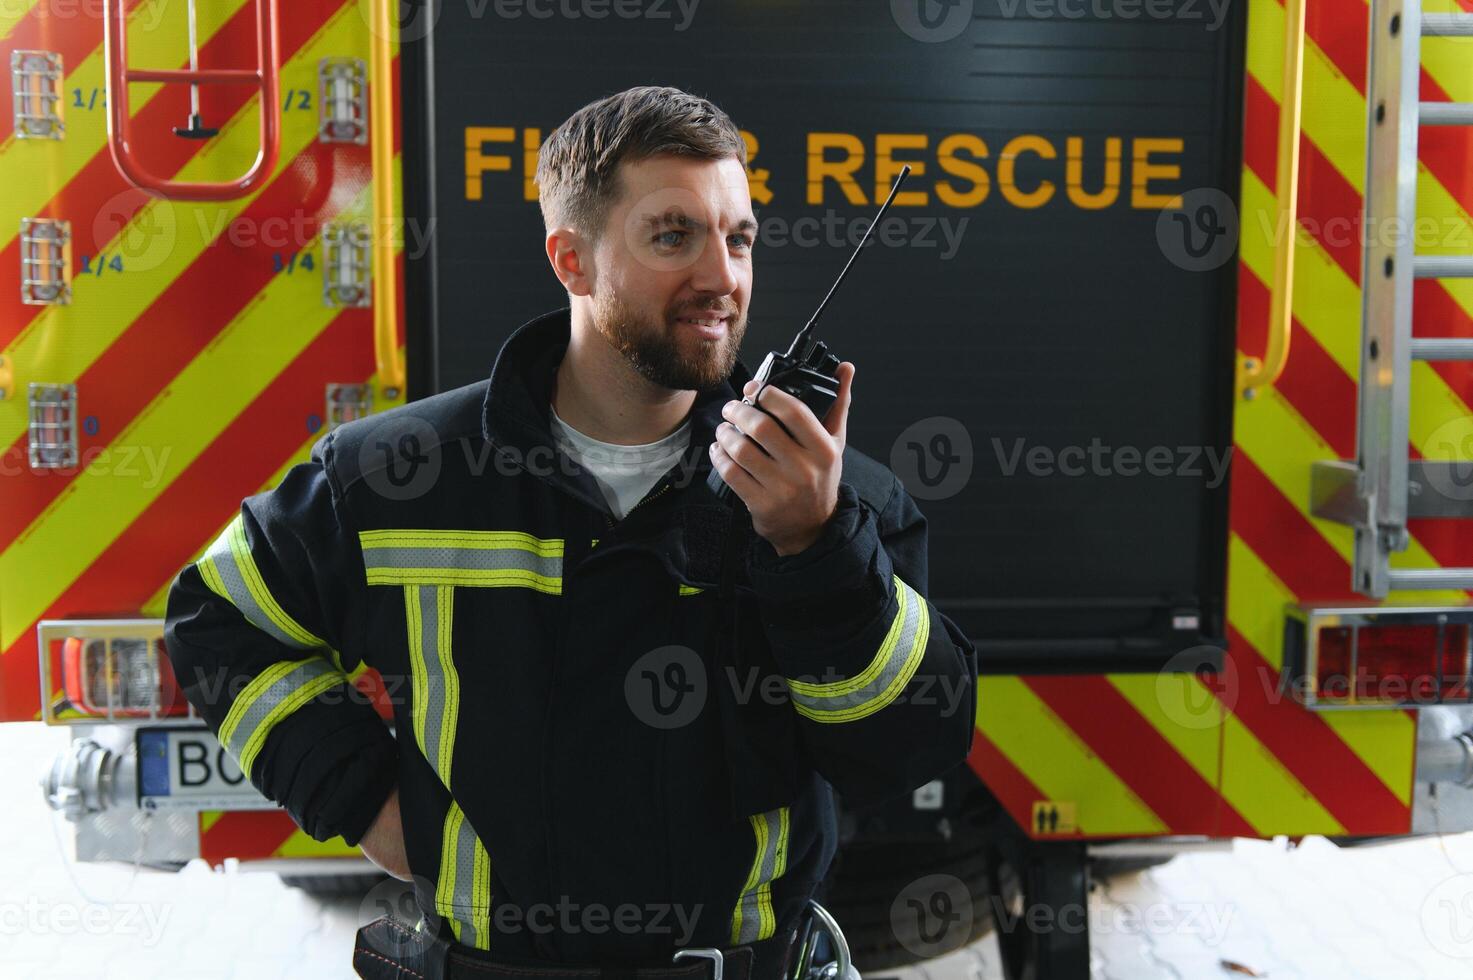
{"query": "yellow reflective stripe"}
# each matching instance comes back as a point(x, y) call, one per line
point(753, 919)
point(253, 690)
point(251, 573)
point(450, 681)
point(690, 589)
point(418, 682)
point(269, 698)
point(434, 681)
point(880, 683)
point(211, 576)
point(303, 694)
point(463, 891)
point(431, 538)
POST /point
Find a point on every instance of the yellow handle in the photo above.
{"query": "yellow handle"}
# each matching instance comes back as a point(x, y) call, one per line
point(385, 214)
point(1254, 373)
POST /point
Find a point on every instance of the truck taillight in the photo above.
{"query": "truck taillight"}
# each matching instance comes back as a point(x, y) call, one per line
point(1424, 661)
point(1370, 657)
point(123, 677)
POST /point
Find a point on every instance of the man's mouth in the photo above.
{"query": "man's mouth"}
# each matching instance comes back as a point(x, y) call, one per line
point(707, 326)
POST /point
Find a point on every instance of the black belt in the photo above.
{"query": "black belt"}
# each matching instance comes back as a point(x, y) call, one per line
point(386, 949)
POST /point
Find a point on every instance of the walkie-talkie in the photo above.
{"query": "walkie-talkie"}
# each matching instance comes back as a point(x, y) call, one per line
point(807, 371)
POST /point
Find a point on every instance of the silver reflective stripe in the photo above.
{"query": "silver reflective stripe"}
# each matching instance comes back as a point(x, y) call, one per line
point(435, 682)
point(753, 918)
point(480, 559)
point(463, 893)
point(228, 568)
point(271, 696)
point(887, 674)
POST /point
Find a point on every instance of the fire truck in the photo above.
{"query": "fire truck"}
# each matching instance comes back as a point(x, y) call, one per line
point(1168, 334)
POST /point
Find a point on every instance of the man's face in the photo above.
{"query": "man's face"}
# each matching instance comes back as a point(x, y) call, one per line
point(674, 269)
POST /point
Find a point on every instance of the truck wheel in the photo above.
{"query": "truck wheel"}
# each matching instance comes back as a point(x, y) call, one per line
point(336, 885)
point(1042, 911)
point(869, 889)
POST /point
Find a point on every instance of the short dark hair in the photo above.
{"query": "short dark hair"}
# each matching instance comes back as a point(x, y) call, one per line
point(577, 167)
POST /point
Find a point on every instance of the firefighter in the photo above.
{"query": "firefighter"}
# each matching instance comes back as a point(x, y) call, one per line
point(621, 706)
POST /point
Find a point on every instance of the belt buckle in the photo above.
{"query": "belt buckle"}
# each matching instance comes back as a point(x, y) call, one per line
point(841, 967)
point(703, 953)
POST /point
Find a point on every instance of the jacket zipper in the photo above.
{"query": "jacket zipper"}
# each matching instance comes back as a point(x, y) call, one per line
point(644, 500)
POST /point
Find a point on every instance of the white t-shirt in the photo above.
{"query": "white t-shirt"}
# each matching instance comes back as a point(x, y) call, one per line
point(624, 473)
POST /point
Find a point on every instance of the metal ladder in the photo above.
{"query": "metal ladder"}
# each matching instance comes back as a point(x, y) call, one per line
point(1378, 492)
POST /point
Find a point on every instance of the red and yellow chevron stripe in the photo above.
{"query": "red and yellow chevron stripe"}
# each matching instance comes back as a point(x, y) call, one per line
point(1142, 755)
point(255, 835)
point(201, 366)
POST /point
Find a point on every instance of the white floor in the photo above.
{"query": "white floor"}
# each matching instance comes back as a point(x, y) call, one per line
point(1393, 912)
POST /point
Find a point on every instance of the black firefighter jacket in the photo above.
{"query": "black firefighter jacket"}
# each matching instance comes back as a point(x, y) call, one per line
point(611, 738)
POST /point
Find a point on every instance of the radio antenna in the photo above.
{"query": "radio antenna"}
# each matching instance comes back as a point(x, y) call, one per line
point(803, 335)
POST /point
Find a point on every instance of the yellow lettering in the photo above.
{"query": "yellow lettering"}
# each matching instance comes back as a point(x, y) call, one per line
point(1016, 147)
point(531, 145)
point(947, 159)
point(478, 163)
point(756, 178)
point(887, 168)
point(840, 171)
point(1143, 171)
point(1074, 175)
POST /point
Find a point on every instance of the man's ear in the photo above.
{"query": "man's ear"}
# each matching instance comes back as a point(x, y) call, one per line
point(572, 260)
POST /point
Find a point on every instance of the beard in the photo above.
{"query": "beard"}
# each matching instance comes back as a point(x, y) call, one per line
point(660, 349)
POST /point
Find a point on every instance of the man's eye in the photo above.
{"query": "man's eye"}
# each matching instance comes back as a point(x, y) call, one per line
point(741, 241)
point(670, 239)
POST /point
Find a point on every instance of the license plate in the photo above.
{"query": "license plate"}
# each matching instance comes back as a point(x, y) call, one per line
point(187, 769)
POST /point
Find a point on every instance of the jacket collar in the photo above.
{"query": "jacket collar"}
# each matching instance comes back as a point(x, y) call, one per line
point(515, 415)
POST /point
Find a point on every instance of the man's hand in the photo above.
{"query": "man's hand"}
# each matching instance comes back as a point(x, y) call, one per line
point(790, 483)
point(384, 842)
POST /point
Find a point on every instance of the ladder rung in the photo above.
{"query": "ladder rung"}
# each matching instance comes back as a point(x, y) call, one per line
point(1447, 25)
point(1431, 578)
point(1445, 113)
point(1442, 266)
point(1442, 348)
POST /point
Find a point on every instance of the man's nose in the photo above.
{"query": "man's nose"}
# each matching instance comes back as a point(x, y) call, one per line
point(714, 271)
